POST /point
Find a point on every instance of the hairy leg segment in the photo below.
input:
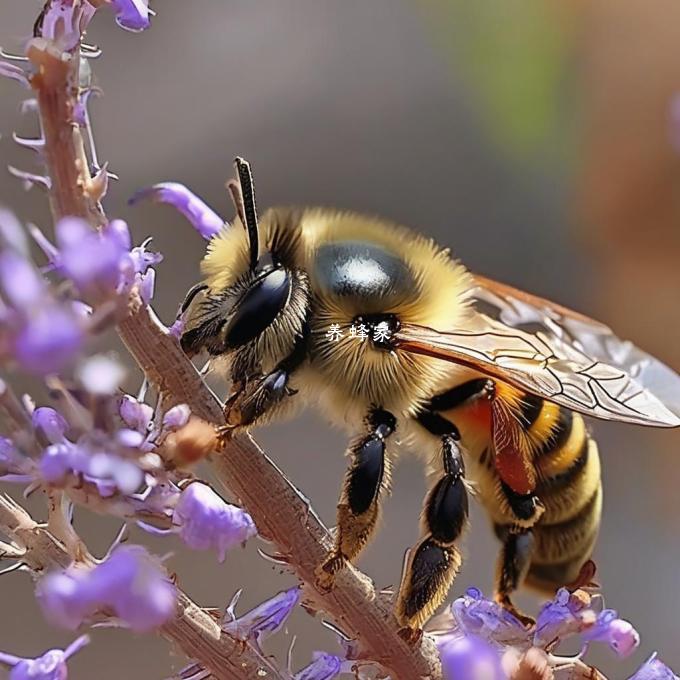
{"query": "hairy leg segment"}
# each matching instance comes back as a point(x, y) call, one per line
point(366, 482)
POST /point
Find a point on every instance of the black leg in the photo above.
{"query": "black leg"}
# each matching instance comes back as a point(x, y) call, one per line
point(365, 482)
point(434, 562)
point(253, 396)
point(514, 561)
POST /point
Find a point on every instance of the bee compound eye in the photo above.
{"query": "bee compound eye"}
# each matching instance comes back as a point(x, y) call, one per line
point(258, 307)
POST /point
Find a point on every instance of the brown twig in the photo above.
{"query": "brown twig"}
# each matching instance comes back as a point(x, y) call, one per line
point(281, 513)
point(193, 629)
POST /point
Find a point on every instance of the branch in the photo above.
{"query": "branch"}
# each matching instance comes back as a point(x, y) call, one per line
point(193, 629)
point(282, 515)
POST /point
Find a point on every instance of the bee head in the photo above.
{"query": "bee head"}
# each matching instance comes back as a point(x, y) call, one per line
point(251, 290)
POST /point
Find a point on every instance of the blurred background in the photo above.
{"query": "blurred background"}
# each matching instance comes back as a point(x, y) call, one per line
point(534, 138)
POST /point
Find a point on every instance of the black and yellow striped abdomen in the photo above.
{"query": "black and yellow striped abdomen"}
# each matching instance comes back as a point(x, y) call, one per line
point(569, 487)
point(567, 472)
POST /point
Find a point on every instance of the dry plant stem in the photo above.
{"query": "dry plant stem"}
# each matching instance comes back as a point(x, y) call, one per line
point(281, 514)
point(193, 629)
point(56, 87)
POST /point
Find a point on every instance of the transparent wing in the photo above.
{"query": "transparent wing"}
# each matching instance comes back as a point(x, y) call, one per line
point(557, 354)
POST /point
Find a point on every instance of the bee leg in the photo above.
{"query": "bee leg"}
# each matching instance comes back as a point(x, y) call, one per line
point(433, 563)
point(255, 397)
point(366, 478)
point(513, 565)
point(255, 394)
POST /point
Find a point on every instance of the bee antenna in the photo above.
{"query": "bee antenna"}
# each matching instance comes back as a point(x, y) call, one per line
point(243, 196)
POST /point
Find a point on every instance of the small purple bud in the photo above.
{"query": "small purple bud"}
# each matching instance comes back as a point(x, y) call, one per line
point(323, 667)
point(100, 375)
point(22, 285)
point(132, 15)
point(90, 259)
point(142, 258)
point(206, 521)
point(119, 232)
point(135, 414)
point(265, 619)
point(64, 597)
point(49, 340)
point(472, 658)
point(562, 617)
point(654, 669)
point(147, 285)
point(51, 423)
point(50, 666)
point(176, 417)
point(130, 439)
point(124, 473)
point(130, 583)
point(202, 217)
point(617, 633)
point(477, 615)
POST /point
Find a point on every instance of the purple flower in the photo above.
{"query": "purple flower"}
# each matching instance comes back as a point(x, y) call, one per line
point(323, 667)
point(92, 260)
point(49, 339)
point(205, 521)
point(479, 616)
point(65, 20)
point(265, 619)
point(109, 471)
point(21, 283)
point(50, 666)
point(135, 414)
point(132, 15)
point(202, 217)
point(176, 417)
point(50, 423)
point(562, 617)
point(100, 375)
point(471, 657)
point(617, 633)
point(654, 669)
point(130, 584)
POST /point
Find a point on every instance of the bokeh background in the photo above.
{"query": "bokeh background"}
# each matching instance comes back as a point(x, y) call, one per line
point(533, 137)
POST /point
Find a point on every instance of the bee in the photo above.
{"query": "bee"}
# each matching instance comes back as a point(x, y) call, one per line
point(391, 337)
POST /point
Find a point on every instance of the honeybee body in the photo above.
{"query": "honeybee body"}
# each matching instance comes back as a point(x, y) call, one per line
point(385, 332)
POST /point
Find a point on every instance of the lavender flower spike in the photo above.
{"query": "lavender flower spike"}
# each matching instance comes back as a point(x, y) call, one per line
point(50, 666)
point(206, 521)
point(265, 619)
point(654, 669)
point(202, 217)
point(130, 583)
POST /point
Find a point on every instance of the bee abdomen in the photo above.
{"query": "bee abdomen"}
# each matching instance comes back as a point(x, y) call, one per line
point(569, 487)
